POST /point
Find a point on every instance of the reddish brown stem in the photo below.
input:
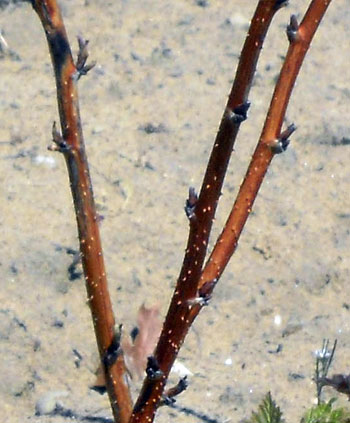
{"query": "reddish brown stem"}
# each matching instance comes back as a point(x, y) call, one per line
point(71, 144)
point(270, 141)
point(201, 213)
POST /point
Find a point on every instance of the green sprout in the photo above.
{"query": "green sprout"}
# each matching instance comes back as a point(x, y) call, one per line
point(268, 412)
point(325, 413)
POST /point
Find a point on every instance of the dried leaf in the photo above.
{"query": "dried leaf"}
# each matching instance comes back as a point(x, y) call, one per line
point(138, 348)
point(136, 352)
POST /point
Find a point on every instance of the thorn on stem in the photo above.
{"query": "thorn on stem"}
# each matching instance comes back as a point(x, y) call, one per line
point(59, 144)
point(191, 203)
point(82, 67)
point(239, 113)
point(152, 370)
point(280, 144)
point(292, 29)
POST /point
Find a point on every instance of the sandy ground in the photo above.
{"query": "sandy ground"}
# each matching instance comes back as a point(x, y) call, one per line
point(169, 66)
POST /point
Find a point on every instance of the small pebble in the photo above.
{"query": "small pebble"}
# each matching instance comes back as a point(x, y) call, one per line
point(48, 402)
point(238, 21)
point(180, 369)
point(48, 161)
point(277, 320)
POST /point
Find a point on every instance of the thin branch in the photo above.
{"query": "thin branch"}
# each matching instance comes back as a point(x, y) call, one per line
point(71, 144)
point(271, 142)
point(201, 214)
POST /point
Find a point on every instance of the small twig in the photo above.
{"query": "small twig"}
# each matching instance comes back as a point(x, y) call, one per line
point(71, 144)
point(170, 394)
